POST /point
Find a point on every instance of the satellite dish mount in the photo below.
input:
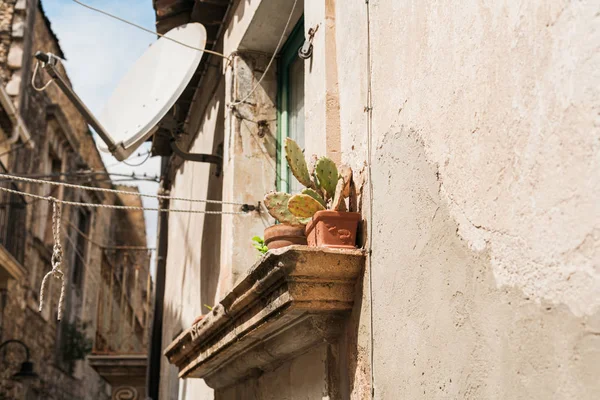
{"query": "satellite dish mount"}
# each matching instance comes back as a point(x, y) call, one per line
point(145, 95)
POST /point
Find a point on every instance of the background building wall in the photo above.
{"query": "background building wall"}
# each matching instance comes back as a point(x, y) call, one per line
point(62, 143)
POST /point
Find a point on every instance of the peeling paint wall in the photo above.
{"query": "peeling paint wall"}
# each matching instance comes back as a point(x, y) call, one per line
point(486, 217)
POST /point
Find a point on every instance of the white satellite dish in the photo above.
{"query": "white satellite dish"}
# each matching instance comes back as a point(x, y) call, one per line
point(146, 93)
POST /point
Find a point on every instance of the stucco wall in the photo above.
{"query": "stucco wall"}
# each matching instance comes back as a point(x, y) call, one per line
point(485, 207)
point(193, 260)
point(304, 377)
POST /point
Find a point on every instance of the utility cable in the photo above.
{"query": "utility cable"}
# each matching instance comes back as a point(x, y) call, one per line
point(105, 247)
point(124, 192)
point(235, 103)
point(369, 112)
point(117, 207)
point(148, 30)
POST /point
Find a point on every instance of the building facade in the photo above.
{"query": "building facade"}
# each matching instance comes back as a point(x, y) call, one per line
point(44, 136)
point(472, 130)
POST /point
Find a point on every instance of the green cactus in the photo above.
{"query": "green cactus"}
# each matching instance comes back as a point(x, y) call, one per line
point(277, 205)
point(327, 174)
point(304, 206)
point(315, 195)
point(296, 162)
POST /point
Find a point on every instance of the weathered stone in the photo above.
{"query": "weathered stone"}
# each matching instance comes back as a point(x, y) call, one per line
point(15, 55)
point(13, 87)
point(289, 300)
point(21, 5)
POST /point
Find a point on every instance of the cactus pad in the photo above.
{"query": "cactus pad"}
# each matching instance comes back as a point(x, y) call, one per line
point(338, 198)
point(296, 162)
point(277, 205)
point(327, 173)
point(346, 173)
point(313, 193)
point(304, 206)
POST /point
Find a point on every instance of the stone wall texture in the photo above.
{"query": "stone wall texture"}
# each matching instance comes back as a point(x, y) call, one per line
point(62, 144)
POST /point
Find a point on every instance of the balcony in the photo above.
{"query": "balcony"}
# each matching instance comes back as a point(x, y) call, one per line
point(290, 300)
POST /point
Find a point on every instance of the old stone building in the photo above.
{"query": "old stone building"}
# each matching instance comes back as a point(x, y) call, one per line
point(472, 130)
point(106, 260)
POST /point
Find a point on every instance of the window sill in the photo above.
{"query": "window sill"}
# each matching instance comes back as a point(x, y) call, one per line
point(290, 300)
point(10, 268)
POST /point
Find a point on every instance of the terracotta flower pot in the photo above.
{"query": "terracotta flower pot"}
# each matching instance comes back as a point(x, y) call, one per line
point(281, 235)
point(333, 229)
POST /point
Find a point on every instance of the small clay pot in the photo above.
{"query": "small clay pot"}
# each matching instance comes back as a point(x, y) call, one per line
point(333, 229)
point(281, 235)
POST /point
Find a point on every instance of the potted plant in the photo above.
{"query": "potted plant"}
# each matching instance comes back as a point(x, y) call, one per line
point(290, 229)
point(321, 207)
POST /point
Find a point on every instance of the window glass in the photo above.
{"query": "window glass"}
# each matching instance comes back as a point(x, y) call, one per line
point(296, 112)
point(290, 106)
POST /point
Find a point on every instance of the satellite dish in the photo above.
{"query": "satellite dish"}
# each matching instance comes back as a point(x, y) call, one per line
point(145, 94)
point(152, 86)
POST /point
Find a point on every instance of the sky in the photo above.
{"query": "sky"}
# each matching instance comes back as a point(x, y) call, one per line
point(99, 52)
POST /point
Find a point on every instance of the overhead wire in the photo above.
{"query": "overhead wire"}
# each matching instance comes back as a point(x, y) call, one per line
point(106, 247)
point(369, 112)
point(228, 58)
point(117, 191)
point(117, 207)
point(148, 30)
point(287, 24)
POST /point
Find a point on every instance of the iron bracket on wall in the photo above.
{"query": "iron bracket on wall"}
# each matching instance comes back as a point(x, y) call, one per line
point(198, 157)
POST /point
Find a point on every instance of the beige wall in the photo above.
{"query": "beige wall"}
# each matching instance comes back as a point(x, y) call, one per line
point(484, 216)
point(485, 207)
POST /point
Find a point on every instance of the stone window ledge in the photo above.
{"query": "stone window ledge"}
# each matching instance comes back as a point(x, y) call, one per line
point(10, 268)
point(290, 300)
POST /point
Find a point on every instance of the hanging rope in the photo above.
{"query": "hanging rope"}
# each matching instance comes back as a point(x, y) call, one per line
point(57, 255)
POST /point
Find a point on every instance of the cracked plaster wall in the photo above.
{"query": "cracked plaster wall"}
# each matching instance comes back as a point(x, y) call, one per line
point(506, 99)
point(486, 152)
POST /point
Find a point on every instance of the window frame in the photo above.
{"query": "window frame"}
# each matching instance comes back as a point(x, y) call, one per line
point(288, 54)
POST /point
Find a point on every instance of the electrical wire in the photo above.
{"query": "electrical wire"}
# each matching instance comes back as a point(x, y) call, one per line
point(235, 103)
point(369, 111)
point(140, 163)
point(147, 154)
point(116, 191)
point(148, 30)
point(117, 207)
point(14, 148)
point(106, 247)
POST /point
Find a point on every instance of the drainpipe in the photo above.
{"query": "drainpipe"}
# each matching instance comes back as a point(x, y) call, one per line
point(155, 350)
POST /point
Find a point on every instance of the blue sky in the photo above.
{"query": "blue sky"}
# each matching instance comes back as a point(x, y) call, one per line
point(99, 51)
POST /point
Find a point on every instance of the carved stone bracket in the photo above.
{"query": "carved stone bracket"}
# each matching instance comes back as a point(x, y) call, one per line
point(290, 300)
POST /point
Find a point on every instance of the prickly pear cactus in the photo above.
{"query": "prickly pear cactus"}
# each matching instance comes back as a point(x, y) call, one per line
point(304, 206)
point(296, 162)
point(346, 173)
point(338, 198)
point(327, 174)
point(315, 195)
point(277, 205)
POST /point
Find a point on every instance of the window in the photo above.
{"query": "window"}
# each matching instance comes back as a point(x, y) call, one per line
point(290, 105)
point(83, 227)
